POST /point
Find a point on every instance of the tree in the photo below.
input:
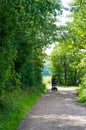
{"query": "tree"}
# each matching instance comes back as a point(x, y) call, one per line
point(72, 47)
point(28, 27)
point(65, 60)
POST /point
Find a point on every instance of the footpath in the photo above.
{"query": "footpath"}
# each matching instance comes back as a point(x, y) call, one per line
point(56, 111)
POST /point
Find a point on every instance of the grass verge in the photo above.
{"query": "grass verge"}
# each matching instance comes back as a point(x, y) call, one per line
point(14, 106)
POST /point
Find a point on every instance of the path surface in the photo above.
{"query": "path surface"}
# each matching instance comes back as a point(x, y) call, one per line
point(56, 111)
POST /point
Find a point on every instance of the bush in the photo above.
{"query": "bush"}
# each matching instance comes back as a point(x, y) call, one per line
point(82, 91)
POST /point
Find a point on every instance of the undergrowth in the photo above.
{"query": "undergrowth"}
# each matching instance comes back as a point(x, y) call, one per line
point(82, 91)
point(14, 106)
point(82, 95)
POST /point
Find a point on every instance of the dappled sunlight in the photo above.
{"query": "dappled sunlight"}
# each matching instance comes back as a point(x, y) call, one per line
point(57, 111)
point(63, 118)
point(66, 89)
point(71, 89)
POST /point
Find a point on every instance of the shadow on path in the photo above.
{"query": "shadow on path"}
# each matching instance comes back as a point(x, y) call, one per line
point(56, 111)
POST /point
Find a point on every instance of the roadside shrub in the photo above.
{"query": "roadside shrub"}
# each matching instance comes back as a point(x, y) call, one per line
point(82, 91)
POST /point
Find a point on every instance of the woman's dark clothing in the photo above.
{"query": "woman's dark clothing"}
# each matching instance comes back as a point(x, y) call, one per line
point(53, 82)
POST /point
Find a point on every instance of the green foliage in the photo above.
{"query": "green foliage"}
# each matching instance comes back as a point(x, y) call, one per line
point(26, 27)
point(66, 64)
point(15, 105)
point(7, 45)
point(68, 58)
point(82, 91)
point(79, 27)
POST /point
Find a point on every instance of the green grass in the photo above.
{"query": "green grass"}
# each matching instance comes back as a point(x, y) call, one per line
point(47, 80)
point(15, 105)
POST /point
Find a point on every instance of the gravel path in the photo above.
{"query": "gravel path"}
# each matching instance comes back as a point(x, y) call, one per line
point(56, 111)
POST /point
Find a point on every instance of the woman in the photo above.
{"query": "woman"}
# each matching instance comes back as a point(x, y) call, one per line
point(53, 82)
